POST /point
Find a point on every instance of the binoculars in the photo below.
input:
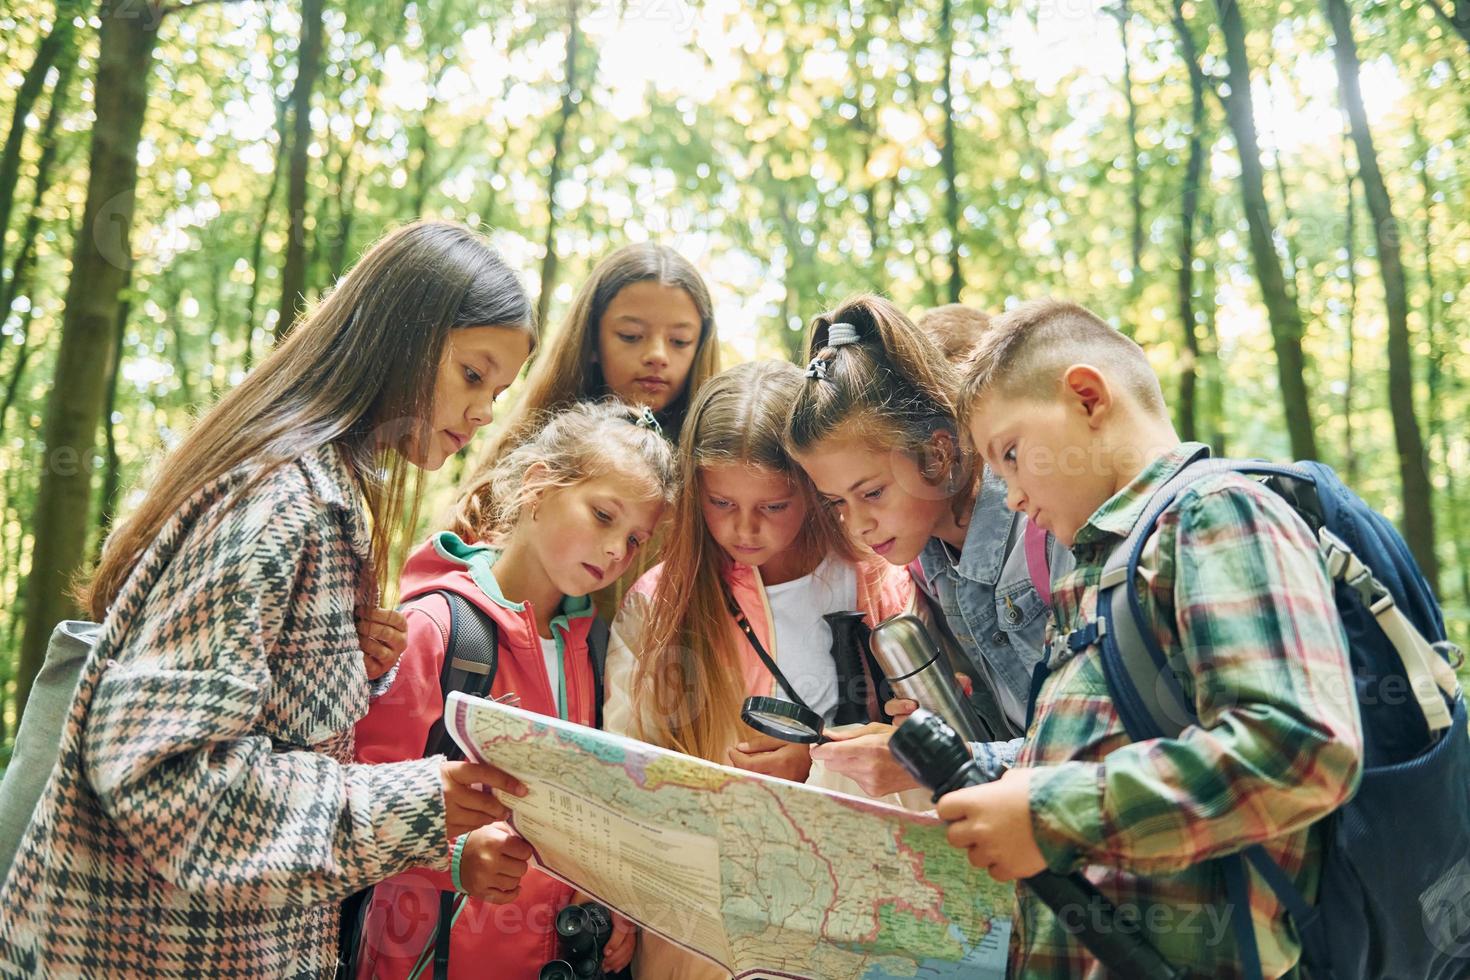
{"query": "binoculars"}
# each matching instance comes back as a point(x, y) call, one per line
point(582, 932)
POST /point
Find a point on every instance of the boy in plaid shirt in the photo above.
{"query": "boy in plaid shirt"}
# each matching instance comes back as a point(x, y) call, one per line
point(1068, 411)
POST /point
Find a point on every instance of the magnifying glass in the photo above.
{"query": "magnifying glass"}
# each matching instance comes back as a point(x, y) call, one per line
point(786, 720)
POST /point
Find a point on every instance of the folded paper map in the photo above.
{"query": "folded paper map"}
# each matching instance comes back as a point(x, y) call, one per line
point(765, 877)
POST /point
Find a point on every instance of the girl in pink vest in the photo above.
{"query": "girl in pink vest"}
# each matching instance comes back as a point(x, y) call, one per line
point(570, 509)
point(747, 527)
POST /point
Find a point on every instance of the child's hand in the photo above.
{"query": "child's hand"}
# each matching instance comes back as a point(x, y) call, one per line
point(993, 822)
point(618, 952)
point(759, 752)
point(467, 808)
point(862, 755)
point(899, 709)
point(492, 863)
point(383, 636)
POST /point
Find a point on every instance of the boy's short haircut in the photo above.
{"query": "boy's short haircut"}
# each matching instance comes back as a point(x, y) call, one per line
point(956, 328)
point(1027, 349)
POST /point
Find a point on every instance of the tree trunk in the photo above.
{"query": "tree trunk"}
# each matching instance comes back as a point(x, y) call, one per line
point(1135, 166)
point(1290, 253)
point(1441, 387)
point(18, 369)
point(10, 535)
point(1350, 246)
point(345, 195)
point(864, 125)
point(1215, 374)
point(1458, 17)
point(1188, 207)
point(101, 258)
point(569, 99)
point(1413, 463)
point(951, 165)
point(25, 262)
point(112, 473)
point(1284, 316)
point(179, 347)
point(257, 246)
point(308, 66)
point(55, 49)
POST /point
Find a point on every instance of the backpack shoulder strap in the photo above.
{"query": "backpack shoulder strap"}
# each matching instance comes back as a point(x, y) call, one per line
point(470, 662)
point(597, 640)
point(1151, 703)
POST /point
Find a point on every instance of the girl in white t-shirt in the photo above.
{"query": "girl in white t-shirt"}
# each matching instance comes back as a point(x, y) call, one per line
point(747, 530)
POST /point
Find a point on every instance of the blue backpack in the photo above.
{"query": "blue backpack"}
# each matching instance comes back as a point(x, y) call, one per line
point(1395, 886)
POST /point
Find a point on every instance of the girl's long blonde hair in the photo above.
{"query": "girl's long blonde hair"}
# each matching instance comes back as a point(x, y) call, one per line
point(359, 372)
point(687, 673)
point(567, 372)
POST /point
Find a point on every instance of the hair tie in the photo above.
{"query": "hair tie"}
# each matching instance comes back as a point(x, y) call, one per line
point(647, 420)
point(841, 334)
point(817, 369)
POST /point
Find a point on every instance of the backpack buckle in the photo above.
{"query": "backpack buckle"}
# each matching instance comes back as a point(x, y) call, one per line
point(1335, 553)
point(1451, 652)
point(1345, 567)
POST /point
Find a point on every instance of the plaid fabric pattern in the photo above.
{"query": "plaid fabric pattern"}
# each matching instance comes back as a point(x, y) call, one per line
point(1233, 588)
point(204, 817)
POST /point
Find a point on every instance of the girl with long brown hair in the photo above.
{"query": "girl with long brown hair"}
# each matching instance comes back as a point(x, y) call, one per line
point(748, 541)
point(642, 330)
point(205, 813)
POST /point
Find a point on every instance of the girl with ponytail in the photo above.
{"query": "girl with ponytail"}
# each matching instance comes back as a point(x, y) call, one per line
point(877, 428)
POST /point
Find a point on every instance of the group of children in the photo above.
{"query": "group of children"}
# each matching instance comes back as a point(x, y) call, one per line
point(976, 471)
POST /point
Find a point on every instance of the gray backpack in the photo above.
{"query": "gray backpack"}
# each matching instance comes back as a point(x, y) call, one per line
point(38, 743)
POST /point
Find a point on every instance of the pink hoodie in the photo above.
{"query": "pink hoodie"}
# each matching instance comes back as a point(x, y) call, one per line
point(506, 941)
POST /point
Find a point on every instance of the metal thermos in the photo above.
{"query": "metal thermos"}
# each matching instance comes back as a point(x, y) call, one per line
point(917, 670)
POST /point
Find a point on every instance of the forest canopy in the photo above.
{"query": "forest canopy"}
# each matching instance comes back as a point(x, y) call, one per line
point(1270, 197)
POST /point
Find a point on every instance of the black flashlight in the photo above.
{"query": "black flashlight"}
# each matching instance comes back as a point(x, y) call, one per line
point(936, 756)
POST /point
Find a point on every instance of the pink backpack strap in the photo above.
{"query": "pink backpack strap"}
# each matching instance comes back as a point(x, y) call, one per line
point(1038, 562)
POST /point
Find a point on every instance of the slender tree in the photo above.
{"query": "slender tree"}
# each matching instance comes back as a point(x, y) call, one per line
point(308, 67)
point(1456, 15)
point(570, 95)
point(948, 154)
point(100, 265)
point(1413, 461)
point(1188, 208)
point(257, 244)
point(25, 262)
point(112, 468)
point(1350, 320)
point(1284, 315)
point(101, 258)
point(1440, 386)
point(1122, 12)
point(56, 49)
point(1215, 376)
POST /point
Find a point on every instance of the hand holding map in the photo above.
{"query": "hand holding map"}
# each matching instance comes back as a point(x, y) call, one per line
point(765, 877)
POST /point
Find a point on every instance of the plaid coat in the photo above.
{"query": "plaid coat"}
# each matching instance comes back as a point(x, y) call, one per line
point(204, 817)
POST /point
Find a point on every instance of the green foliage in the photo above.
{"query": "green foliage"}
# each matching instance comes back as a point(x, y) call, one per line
point(792, 150)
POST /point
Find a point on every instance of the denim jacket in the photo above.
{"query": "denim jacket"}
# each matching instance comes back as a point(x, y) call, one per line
point(993, 611)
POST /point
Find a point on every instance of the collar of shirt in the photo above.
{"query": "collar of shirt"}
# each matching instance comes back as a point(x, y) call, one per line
point(1122, 510)
point(983, 555)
